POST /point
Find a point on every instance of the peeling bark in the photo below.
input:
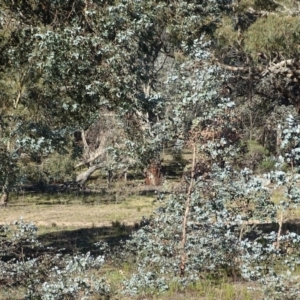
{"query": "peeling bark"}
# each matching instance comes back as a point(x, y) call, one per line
point(92, 156)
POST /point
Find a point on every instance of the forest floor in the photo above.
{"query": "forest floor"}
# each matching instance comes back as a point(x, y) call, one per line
point(76, 220)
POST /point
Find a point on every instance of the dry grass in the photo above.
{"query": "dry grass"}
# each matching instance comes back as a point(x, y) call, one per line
point(204, 289)
point(293, 214)
point(78, 215)
point(80, 221)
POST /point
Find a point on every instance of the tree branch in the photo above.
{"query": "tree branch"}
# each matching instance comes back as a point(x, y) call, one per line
point(91, 156)
point(83, 177)
point(283, 67)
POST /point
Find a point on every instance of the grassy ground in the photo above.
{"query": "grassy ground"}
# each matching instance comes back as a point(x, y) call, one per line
point(76, 220)
point(79, 215)
point(204, 290)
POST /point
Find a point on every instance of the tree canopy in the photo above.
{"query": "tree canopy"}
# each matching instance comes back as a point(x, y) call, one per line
point(108, 83)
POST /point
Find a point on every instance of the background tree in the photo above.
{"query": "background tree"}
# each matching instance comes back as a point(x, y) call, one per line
point(62, 62)
point(257, 41)
point(207, 76)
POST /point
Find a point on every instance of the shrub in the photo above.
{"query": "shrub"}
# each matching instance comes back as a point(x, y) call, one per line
point(46, 273)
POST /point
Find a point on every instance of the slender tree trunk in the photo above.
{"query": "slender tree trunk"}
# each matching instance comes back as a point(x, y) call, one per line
point(278, 139)
point(109, 178)
point(250, 110)
point(241, 233)
point(251, 126)
point(4, 197)
point(186, 214)
point(279, 230)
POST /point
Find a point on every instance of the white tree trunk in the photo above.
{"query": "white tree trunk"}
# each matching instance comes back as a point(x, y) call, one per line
point(83, 177)
point(4, 198)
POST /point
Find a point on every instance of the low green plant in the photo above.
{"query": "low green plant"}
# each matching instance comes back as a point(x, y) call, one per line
point(255, 147)
point(266, 166)
point(55, 168)
point(43, 273)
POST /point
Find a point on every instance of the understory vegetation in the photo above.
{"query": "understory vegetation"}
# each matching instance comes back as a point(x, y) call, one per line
point(156, 145)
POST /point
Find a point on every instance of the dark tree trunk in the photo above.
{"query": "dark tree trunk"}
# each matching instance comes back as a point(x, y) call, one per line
point(153, 174)
point(109, 178)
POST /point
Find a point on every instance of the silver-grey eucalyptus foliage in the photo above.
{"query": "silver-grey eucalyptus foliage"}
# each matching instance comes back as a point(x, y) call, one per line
point(45, 273)
point(229, 211)
point(107, 55)
point(64, 61)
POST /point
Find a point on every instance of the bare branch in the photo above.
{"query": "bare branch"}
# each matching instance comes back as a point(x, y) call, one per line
point(83, 177)
point(286, 10)
point(100, 151)
point(281, 67)
point(287, 67)
point(232, 68)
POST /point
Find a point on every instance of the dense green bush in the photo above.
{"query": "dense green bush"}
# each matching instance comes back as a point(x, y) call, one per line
point(55, 168)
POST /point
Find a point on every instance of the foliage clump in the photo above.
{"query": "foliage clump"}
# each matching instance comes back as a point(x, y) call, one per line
point(214, 225)
point(45, 273)
point(280, 34)
point(152, 66)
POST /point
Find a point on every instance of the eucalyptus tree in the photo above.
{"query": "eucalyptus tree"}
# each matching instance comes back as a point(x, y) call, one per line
point(58, 72)
point(182, 236)
point(212, 223)
point(62, 61)
point(45, 77)
point(154, 32)
point(258, 41)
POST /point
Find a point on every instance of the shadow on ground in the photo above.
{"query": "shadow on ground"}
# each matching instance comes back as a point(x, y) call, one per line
point(290, 226)
point(84, 240)
point(59, 194)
